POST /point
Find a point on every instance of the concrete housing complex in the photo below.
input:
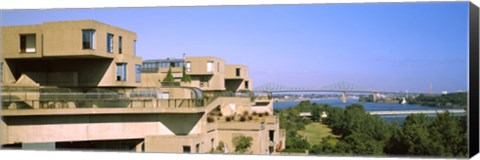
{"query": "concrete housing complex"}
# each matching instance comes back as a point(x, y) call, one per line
point(81, 85)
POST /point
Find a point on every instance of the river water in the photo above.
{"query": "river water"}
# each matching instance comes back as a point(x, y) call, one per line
point(369, 106)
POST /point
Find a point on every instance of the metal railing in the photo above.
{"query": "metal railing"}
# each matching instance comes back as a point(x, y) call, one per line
point(35, 98)
point(104, 103)
point(170, 84)
point(150, 70)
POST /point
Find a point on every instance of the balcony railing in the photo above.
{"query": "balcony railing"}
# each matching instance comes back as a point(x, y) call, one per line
point(150, 70)
point(26, 98)
point(170, 84)
point(104, 103)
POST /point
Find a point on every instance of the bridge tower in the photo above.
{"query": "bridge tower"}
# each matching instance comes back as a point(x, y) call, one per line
point(344, 97)
point(374, 95)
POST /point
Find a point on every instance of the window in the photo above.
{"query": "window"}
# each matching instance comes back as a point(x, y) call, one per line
point(271, 134)
point(164, 65)
point(189, 67)
point(28, 43)
point(121, 72)
point(210, 66)
point(237, 72)
point(134, 47)
point(186, 149)
point(120, 45)
point(109, 43)
point(138, 70)
point(165, 95)
point(88, 39)
point(246, 84)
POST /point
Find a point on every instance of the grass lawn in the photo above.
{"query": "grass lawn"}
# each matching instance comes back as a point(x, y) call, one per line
point(315, 132)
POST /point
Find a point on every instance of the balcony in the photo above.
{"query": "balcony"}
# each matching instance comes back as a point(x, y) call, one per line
point(149, 70)
point(104, 106)
point(240, 125)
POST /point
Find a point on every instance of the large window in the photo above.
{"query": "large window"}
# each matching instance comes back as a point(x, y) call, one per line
point(121, 71)
point(135, 47)
point(109, 43)
point(246, 84)
point(271, 134)
point(237, 72)
point(138, 70)
point(120, 44)
point(88, 39)
point(189, 66)
point(28, 43)
point(186, 149)
point(210, 66)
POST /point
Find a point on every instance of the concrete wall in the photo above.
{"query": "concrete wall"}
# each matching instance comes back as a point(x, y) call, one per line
point(64, 40)
point(3, 132)
point(215, 79)
point(259, 145)
point(174, 144)
point(11, 41)
point(33, 129)
point(231, 69)
point(151, 79)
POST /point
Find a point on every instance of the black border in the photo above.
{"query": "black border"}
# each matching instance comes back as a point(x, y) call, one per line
point(473, 117)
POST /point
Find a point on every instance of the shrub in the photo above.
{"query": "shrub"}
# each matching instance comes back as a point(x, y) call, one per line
point(254, 113)
point(250, 118)
point(245, 113)
point(266, 113)
point(220, 146)
point(210, 119)
point(242, 119)
point(242, 143)
point(228, 119)
point(260, 115)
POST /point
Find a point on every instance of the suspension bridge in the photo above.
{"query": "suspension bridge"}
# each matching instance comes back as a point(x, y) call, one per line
point(339, 87)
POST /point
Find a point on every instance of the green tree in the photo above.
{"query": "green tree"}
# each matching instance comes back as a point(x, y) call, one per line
point(242, 143)
point(169, 77)
point(447, 131)
point(296, 143)
point(185, 76)
point(415, 136)
point(329, 145)
point(362, 144)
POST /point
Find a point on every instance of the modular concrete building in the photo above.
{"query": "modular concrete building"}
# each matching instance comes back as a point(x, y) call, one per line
point(80, 85)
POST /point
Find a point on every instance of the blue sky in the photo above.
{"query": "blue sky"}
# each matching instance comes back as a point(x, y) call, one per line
point(385, 46)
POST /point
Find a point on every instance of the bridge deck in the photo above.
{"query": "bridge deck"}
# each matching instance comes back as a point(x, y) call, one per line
point(406, 112)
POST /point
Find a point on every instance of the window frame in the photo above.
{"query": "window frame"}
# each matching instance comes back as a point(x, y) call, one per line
point(138, 71)
point(124, 72)
point(120, 47)
point(210, 66)
point(238, 72)
point(91, 38)
point(110, 42)
point(25, 48)
point(188, 66)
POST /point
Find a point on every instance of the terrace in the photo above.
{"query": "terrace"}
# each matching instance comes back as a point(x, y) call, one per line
point(44, 101)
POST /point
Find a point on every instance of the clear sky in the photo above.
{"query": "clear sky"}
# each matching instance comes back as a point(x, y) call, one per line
point(385, 46)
